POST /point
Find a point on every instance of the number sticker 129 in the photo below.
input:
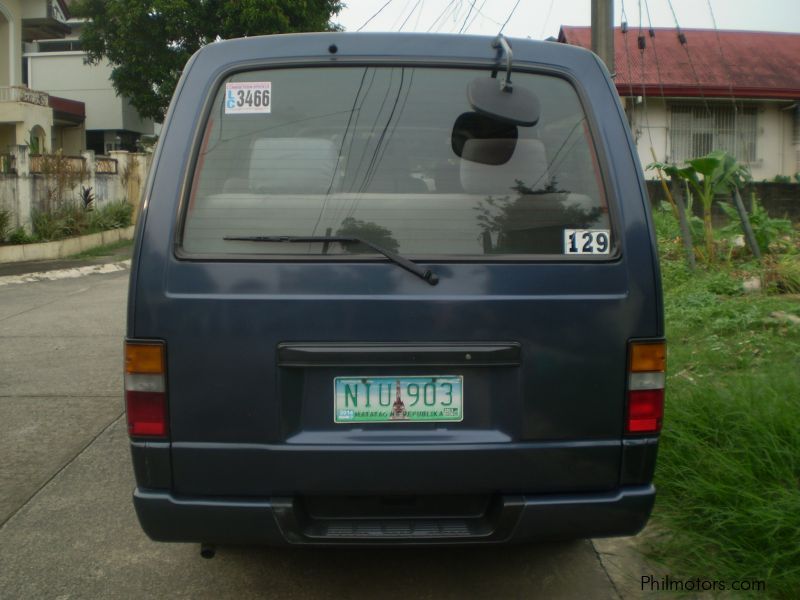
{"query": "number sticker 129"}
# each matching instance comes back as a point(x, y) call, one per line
point(587, 241)
point(248, 97)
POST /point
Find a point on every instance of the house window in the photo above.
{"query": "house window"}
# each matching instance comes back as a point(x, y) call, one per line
point(60, 45)
point(697, 129)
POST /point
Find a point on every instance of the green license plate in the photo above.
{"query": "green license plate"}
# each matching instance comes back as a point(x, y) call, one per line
point(417, 399)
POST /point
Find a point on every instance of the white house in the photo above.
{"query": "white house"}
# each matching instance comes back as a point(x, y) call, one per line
point(58, 66)
point(27, 115)
point(689, 92)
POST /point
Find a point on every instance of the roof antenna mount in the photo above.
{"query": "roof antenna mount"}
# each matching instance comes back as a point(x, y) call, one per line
point(500, 43)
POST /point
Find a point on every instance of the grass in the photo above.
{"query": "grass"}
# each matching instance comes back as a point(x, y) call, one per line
point(728, 476)
point(105, 250)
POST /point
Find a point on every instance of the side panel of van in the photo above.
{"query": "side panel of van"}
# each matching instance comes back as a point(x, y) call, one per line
point(253, 347)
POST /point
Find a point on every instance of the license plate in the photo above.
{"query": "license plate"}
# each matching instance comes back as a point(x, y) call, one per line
point(416, 399)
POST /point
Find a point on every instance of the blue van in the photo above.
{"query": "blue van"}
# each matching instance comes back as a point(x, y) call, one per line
point(394, 289)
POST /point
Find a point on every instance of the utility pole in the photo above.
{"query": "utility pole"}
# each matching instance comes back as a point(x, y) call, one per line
point(603, 31)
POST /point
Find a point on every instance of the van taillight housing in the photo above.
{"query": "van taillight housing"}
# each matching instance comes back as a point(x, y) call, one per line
point(647, 361)
point(145, 389)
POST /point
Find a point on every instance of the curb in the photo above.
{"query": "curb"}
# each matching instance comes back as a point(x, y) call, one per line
point(63, 248)
point(71, 273)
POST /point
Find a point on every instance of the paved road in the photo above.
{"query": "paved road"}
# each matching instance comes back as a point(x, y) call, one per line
point(67, 526)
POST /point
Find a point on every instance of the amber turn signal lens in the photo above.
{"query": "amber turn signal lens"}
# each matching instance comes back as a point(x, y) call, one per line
point(144, 357)
point(648, 356)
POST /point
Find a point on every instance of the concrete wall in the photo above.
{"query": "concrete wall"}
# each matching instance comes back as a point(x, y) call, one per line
point(10, 201)
point(779, 199)
point(25, 192)
point(775, 151)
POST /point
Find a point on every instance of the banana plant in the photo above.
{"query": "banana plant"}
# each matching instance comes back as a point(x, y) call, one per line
point(715, 173)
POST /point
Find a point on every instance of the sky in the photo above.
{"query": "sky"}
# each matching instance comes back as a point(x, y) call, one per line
point(540, 19)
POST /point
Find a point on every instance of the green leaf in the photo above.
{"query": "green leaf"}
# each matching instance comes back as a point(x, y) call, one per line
point(705, 165)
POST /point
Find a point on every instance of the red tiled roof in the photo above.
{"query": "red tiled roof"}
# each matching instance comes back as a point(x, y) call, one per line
point(71, 110)
point(756, 64)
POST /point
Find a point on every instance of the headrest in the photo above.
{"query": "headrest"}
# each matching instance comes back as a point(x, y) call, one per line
point(292, 165)
point(527, 164)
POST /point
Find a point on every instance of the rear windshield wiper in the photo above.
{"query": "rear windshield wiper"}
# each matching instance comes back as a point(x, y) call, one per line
point(425, 274)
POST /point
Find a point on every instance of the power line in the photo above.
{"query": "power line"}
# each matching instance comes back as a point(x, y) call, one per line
point(339, 155)
point(409, 15)
point(357, 171)
point(511, 14)
point(441, 14)
point(379, 11)
point(469, 12)
point(400, 14)
point(729, 72)
point(642, 44)
point(419, 15)
point(381, 148)
point(478, 13)
point(453, 12)
point(640, 17)
point(683, 42)
point(652, 33)
point(722, 54)
point(624, 30)
point(546, 19)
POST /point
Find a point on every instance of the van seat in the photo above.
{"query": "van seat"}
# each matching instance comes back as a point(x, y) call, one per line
point(528, 164)
point(292, 165)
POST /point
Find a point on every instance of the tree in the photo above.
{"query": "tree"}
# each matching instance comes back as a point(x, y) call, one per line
point(147, 42)
point(715, 173)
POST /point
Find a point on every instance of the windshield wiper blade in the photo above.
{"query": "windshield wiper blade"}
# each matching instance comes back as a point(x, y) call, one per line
point(411, 267)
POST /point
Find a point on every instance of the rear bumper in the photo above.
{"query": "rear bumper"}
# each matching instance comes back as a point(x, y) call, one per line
point(279, 521)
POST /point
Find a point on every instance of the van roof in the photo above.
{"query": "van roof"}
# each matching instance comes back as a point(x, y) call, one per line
point(375, 45)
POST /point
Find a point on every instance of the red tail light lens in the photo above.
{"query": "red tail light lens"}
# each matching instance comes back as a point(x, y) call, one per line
point(645, 411)
point(647, 362)
point(147, 413)
point(145, 389)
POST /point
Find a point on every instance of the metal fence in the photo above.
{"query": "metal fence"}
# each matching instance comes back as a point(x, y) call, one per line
point(104, 164)
point(50, 163)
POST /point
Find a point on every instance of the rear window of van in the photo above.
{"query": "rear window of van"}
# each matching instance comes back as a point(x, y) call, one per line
point(397, 156)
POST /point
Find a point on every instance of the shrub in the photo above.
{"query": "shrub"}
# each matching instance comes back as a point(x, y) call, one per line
point(20, 236)
point(766, 230)
point(5, 223)
point(46, 225)
point(783, 274)
point(72, 219)
point(115, 215)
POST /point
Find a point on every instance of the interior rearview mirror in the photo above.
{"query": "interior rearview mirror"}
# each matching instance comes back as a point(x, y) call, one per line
point(500, 139)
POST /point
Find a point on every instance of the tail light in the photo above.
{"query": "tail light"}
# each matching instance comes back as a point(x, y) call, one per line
point(145, 389)
point(646, 377)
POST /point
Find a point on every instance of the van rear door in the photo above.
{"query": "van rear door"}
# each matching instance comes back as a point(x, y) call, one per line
point(544, 266)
